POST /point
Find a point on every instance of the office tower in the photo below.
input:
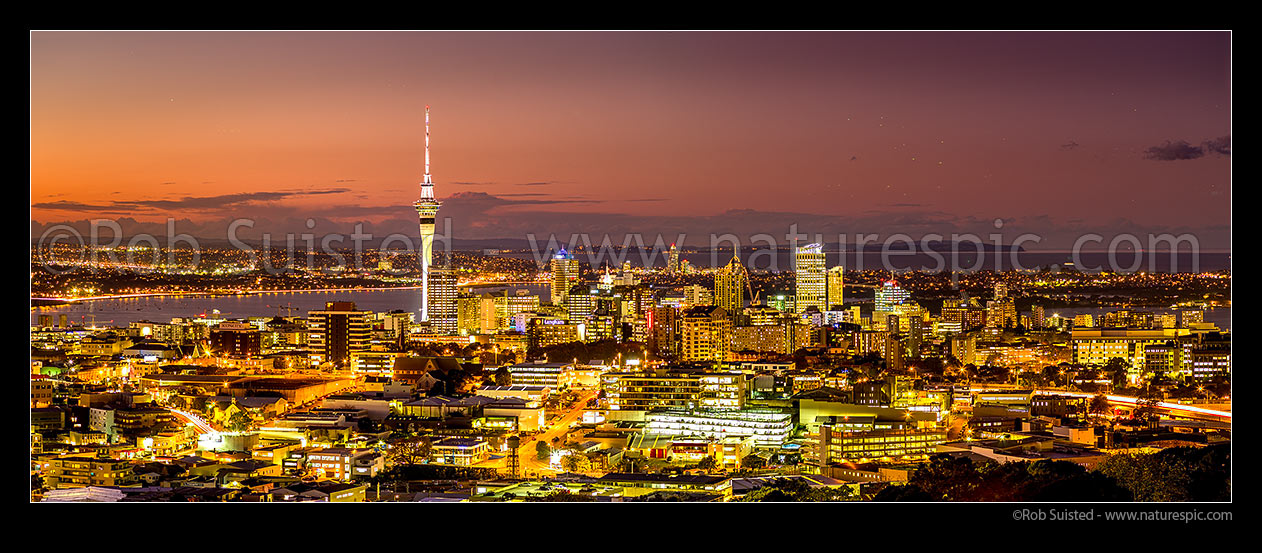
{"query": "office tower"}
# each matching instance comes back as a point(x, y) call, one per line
point(782, 302)
point(443, 315)
point(427, 210)
point(729, 286)
point(579, 303)
point(1187, 317)
point(889, 295)
point(337, 332)
point(811, 280)
point(697, 295)
point(564, 275)
point(469, 315)
point(236, 339)
point(672, 261)
point(836, 286)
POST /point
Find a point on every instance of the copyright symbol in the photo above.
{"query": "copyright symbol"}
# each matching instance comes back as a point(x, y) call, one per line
point(51, 238)
point(1016, 515)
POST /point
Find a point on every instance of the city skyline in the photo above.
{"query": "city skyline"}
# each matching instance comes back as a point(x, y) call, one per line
point(1093, 129)
point(988, 267)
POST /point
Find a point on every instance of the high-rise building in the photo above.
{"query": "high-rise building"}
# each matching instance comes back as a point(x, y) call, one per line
point(729, 286)
point(836, 287)
point(236, 339)
point(1001, 290)
point(564, 275)
point(811, 288)
point(664, 332)
point(579, 303)
point(889, 295)
point(469, 315)
point(337, 332)
point(1001, 313)
point(1037, 316)
point(696, 295)
point(506, 305)
point(672, 260)
point(706, 335)
point(443, 313)
point(427, 210)
point(1187, 317)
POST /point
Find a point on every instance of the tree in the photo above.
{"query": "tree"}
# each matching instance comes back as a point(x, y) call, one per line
point(795, 490)
point(753, 462)
point(411, 451)
point(1051, 375)
point(1146, 409)
point(708, 464)
point(1099, 405)
point(1148, 476)
point(503, 377)
point(960, 479)
point(575, 462)
point(542, 450)
point(946, 478)
point(1118, 370)
point(240, 421)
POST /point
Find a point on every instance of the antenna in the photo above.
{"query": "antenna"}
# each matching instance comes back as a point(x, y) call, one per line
point(427, 185)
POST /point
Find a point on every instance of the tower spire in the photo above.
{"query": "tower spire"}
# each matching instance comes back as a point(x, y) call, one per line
point(427, 185)
point(427, 211)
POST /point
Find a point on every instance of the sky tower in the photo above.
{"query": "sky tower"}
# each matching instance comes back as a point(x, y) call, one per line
point(427, 209)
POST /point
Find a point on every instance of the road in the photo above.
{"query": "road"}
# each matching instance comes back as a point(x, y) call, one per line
point(527, 456)
point(202, 425)
point(1175, 409)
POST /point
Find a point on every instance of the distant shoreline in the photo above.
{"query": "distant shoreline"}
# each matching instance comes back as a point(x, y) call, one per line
point(54, 302)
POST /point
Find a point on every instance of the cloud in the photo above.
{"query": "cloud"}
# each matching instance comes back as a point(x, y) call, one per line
point(1180, 149)
point(187, 203)
point(66, 205)
point(1174, 151)
point(1220, 146)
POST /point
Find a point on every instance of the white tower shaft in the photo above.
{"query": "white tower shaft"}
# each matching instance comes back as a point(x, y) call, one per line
point(427, 210)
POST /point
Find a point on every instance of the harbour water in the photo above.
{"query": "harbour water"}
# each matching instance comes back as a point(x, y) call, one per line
point(121, 312)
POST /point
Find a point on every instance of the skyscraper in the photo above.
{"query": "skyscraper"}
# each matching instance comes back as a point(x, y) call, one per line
point(889, 295)
point(564, 275)
point(427, 210)
point(443, 313)
point(729, 286)
point(672, 261)
point(836, 286)
point(337, 332)
point(811, 281)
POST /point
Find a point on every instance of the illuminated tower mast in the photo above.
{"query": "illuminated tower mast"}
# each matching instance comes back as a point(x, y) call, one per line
point(427, 209)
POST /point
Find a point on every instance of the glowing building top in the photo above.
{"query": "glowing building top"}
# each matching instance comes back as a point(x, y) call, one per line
point(427, 206)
